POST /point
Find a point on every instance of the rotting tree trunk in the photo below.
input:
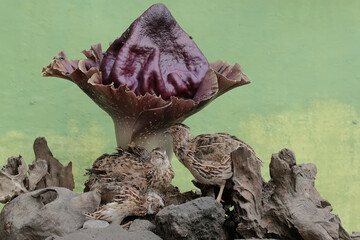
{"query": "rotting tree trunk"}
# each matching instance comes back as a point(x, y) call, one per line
point(286, 207)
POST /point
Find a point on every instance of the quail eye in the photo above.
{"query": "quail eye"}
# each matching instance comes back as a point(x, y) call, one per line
point(177, 129)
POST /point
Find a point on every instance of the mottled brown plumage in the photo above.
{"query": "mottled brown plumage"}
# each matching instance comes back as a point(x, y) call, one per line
point(207, 156)
point(135, 167)
point(129, 201)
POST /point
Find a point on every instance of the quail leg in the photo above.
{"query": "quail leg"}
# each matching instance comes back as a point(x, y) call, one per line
point(127, 225)
point(218, 199)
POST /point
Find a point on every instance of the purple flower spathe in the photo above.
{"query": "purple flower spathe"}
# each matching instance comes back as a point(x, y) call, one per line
point(151, 77)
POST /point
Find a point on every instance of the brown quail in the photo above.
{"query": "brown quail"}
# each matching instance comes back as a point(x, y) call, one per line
point(135, 167)
point(207, 156)
point(129, 201)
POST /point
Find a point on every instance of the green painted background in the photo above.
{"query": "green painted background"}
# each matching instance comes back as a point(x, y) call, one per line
point(302, 56)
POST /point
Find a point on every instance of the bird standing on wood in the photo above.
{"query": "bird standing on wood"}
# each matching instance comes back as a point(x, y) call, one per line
point(128, 202)
point(207, 156)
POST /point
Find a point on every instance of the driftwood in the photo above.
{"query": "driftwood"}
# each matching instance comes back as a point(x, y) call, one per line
point(247, 193)
point(286, 207)
point(45, 171)
point(12, 179)
point(56, 175)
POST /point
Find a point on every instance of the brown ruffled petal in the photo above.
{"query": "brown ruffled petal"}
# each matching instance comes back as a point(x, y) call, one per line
point(208, 87)
point(229, 76)
point(60, 66)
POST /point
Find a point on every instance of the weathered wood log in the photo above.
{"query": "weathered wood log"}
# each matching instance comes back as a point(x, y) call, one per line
point(45, 171)
point(286, 207)
point(247, 192)
point(57, 175)
point(13, 179)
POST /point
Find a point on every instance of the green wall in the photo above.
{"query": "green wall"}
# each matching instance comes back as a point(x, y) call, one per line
point(302, 56)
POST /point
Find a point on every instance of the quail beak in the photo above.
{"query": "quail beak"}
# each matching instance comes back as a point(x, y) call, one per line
point(167, 131)
point(163, 151)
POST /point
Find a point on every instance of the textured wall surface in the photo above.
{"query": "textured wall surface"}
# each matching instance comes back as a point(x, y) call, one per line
point(302, 56)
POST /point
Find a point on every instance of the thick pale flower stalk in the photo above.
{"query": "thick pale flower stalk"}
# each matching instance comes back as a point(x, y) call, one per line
point(151, 77)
